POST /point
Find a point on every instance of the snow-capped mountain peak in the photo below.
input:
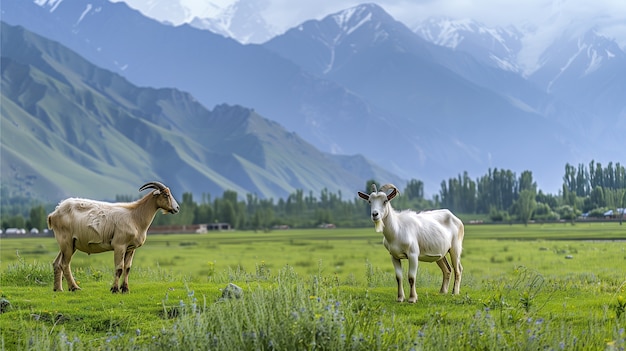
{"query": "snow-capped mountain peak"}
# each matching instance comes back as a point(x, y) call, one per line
point(339, 35)
point(598, 50)
point(573, 57)
point(496, 46)
point(351, 19)
point(241, 20)
point(444, 31)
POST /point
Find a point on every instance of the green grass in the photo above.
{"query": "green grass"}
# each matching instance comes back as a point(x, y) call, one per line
point(324, 289)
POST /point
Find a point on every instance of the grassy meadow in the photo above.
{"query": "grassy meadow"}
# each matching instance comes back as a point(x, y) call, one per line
point(542, 286)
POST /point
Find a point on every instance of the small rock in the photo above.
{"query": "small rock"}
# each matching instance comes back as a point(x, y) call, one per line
point(569, 257)
point(4, 305)
point(232, 291)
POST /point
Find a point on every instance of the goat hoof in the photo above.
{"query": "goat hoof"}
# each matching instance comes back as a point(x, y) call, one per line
point(75, 288)
point(413, 300)
point(125, 290)
point(115, 289)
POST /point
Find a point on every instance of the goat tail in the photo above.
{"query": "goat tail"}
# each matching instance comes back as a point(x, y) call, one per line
point(50, 221)
point(461, 232)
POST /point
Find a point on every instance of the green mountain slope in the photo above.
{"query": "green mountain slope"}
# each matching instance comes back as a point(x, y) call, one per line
point(69, 128)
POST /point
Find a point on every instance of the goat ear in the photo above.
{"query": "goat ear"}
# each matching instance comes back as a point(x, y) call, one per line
point(392, 194)
point(156, 192)
point(364, 196)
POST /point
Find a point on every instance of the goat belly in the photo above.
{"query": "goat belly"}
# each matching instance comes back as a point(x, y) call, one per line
point(92, 247)
point(429, 257)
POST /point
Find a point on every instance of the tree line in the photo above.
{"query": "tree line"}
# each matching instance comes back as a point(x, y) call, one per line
point(498, 195)
point(592, 190)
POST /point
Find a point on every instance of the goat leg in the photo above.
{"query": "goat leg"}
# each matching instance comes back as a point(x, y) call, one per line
point(413, 262)
point(124, 287)
point(455, 257)
point(115, 288)
point(66, 259)
point(398, 268)
point(446, 270)
point(58, 272)
point(118, 258)
point(128, 262)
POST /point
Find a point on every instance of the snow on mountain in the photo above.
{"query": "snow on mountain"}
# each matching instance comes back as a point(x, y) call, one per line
point(572, 58)
point(241, 20)
point(352, 18)
point(496, 46)
point(180, 11)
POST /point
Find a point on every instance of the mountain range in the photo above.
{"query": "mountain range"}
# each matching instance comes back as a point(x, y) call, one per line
point(70, 128)
point(360, 82)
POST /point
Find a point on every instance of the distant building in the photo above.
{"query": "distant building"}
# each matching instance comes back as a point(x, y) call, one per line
point(219, 226)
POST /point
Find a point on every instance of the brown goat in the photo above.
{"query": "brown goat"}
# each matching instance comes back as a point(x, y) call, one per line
point(94, 226)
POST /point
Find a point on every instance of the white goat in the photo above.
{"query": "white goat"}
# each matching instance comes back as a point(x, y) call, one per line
point(417, 236)
point(95, 226)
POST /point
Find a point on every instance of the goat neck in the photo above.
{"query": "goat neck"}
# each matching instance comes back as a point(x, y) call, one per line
point(144, 210)
point(390, 223)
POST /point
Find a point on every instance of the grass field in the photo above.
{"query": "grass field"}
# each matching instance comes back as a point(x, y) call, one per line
point(554, 286)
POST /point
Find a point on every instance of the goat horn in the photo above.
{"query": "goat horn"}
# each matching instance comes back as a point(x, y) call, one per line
point(388, 187)
point(374, 188)
point(153, 185)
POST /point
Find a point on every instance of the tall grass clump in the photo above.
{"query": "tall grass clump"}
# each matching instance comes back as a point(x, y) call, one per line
point(289, 315)
point(22, 273)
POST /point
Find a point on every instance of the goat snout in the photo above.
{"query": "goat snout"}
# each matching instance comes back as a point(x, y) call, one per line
point(175, 210)
point(375, 215)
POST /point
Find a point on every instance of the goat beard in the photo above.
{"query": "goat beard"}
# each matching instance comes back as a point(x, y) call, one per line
point(378, 226)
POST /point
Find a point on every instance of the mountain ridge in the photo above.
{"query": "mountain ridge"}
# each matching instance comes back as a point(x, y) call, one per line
point(419, 109)
point(126, 135)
